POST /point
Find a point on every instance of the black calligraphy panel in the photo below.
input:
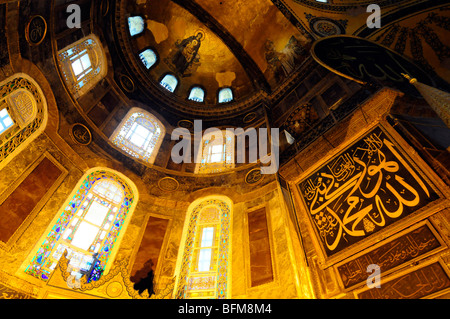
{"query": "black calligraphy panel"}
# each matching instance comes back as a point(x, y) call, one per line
point(366, 188)
point(403, 249)
point(366, 61)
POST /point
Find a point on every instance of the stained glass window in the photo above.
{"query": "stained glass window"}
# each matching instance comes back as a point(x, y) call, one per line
point(82, 64)
point(169, 82)
point(204, 268)
point(136, 25)
point(217, 153)
point(140, 134)
point(23, 114)
point(225, 95)
point(87, 228)
point(197, 94)
point(148, 58)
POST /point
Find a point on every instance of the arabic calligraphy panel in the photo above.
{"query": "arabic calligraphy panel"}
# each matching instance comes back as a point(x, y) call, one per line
point(364, 189)
point(417, 284)
point(364, 61)
point(403, 249)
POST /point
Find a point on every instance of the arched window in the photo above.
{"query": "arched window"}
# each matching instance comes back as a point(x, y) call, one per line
point(83, 64)
point(216, 153)
point(6, 121)
point(136, 25)
point(148, 58)
point(225, 95)
point(169, 82)
point(23, 115)
point(204, 263)
point(197, 94)
point(140, 134)
point(89, 226)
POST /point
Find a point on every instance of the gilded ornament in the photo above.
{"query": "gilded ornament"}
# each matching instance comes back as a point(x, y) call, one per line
point(254, 176)
point(36, 30)
point(168, 184)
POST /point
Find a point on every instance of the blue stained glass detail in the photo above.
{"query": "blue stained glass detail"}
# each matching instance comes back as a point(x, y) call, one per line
point(225, 95)
point(136, 25)
point(41, 264)
point(169, 82)
point(197, 94)
point(148, 58)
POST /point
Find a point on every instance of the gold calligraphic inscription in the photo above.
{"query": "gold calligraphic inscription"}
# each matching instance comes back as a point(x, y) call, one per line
point(367, 187)
point(254, 176)
point(80, 134)
point(403, 249)
point(417, 284)
point(36, 30)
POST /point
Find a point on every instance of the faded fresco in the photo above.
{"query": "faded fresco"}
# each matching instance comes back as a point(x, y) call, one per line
point(186, 59)
point(285, 62)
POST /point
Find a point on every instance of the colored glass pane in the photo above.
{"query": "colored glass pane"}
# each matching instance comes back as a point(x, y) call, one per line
point(87, 228)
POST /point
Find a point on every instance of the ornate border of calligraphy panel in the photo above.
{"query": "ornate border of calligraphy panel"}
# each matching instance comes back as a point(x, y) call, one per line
point(428, 280)
point(414, 243)
point(364, 190)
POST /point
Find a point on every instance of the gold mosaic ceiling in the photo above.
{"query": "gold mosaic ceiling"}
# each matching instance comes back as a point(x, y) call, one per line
point(253, 46)
point(232, 34)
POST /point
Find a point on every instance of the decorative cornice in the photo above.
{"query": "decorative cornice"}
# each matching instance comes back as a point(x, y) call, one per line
point(115, 284)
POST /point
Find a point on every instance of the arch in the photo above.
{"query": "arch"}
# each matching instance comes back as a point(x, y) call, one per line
point(169, 82)
point(197, 94)
point(23, 115)
point(140, 134)
point(83, 64)
point(216, 153)
point(92, 221)
point(225, 95)
point(207, 228)
point(136, 25)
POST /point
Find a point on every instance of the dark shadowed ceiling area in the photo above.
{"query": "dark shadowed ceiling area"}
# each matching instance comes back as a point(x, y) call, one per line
point(239, 47)
point(255, 46)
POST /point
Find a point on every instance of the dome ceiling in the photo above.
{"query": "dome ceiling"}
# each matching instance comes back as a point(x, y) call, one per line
point(269, 51)
point(255, 52)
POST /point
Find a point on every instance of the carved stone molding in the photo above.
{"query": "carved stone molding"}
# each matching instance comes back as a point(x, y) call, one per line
point(115, 284)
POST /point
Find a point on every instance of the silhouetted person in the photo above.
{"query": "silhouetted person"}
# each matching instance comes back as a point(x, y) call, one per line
point(145, 283)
